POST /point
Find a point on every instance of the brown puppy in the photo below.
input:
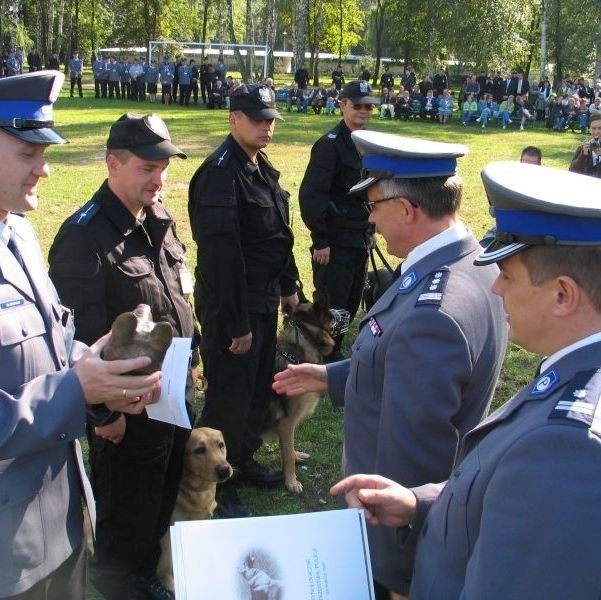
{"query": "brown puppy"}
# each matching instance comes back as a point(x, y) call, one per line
point(305, 338)
point(205, 465)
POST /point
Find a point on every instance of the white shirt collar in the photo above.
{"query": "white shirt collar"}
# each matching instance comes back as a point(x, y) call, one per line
point(587, 341)
point(5, 232)
point(449, 236)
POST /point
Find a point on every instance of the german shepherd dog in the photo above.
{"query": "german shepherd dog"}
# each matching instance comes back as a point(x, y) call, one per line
point(305, 337)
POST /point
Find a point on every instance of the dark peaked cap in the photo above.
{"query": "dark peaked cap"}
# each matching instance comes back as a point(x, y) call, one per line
point(540, 206)
point(26, 106)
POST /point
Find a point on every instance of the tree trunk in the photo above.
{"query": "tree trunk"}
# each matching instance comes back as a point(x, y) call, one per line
point(598, 45)
point(270, 34)
point(299, 34)
point(379, 26)
point(340, 29)
point(60, 21)
point(230, 26)
point(250, 38)
point(544, 46)
point(205, 18)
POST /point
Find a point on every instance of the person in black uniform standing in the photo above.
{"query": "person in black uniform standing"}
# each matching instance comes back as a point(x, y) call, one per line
point(117, 251)
point(340, 233)
point(245, 268)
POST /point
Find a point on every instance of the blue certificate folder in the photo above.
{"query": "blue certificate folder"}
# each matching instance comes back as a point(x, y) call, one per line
point(308, 556)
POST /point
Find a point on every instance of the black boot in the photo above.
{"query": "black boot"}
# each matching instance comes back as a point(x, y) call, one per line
point(255, 474)
point(229, 505)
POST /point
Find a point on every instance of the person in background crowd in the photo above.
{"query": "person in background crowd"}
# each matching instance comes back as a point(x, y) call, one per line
point(75, 71)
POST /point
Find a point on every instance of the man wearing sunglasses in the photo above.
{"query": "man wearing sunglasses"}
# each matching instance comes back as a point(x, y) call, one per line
point(340, 233)
point(428, 354)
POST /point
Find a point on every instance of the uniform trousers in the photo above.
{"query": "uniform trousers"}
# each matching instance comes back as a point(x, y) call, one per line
point(135, 485)
point(76, 81)
point(238, 385)
point(343, 277)
point(68, 581)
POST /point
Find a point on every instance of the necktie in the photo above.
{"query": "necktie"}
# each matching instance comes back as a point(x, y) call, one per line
point(12, 246)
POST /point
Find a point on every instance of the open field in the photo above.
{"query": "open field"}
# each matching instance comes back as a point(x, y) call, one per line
point(78, 169)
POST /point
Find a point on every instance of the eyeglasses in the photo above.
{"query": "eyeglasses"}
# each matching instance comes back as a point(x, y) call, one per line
point(370, 204)
point(362, 106)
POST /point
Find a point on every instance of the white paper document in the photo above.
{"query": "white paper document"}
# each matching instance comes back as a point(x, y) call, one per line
point(308, 556)
point(171, 406)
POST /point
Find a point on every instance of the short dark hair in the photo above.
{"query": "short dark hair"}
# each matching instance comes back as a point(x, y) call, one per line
point(533, 151)
point(436, 196)
point(581, 263)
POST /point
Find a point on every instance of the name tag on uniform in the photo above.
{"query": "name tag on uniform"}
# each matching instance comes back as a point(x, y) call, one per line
point(12, 303)
point(185, 278)
point(376, 330)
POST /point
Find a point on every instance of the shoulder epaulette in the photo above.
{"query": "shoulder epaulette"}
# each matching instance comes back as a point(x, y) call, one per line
point(85, 214)
point(580, 400)
point(223, 158)
point(434, 288)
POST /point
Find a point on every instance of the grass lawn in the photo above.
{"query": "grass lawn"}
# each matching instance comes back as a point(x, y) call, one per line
point(78, 169)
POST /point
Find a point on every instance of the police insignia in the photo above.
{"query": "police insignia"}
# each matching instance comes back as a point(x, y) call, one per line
point(376, 330)
point(545, 383)
point(408, 282)
point(364, 87)
point(580, 399)
point(265, 94)
point(85, 214)
point(434, 288)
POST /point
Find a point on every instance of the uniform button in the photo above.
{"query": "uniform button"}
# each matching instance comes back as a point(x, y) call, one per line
point(457, 473)
point(62, 437)
point(24, 331)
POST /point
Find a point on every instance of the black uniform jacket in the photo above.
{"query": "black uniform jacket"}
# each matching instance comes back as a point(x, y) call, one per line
point(333, 216)
point(105, 262)
point(240, 222)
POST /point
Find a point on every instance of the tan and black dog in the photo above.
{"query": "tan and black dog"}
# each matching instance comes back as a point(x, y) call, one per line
point(305, 338)
point(205, 465)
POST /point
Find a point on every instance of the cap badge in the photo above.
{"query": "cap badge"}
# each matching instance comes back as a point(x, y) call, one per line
point(265, 94)
point(364, 87)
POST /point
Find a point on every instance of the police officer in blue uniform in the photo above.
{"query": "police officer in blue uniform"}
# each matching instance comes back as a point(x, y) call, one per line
point(45, 377)
point(76, 71)
point(117, 251)
point(520, 515)
point(245, 269)
point(422, 373)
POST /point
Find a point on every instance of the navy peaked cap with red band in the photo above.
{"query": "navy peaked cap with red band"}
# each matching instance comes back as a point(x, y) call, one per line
point(388, 156)
point(540, 206)
point(26, 106)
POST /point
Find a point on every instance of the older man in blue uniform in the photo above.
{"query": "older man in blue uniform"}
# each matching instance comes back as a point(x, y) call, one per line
point(520, 516)
point(45, 377)
point(429, 352)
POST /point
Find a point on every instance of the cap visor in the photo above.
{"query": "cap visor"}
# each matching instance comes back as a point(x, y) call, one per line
point(262, 114)
point(36, 136)
point(364, 100)
point(159, 151)
point(362, 185)
point(497, 251)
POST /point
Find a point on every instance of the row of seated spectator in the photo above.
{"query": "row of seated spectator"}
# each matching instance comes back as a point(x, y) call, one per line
point(568, 113)
point(318, 98)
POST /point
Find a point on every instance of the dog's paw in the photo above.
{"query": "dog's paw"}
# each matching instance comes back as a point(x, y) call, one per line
point(294, 486)
point(300, 457)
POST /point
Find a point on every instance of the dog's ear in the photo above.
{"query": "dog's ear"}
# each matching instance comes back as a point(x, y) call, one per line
point(161, 336)
point(321, 302)
point(302, 299)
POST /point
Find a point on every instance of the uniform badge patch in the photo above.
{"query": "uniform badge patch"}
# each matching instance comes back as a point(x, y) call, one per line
point(434, 288)
point(85, 214)
point(580, 399)
point(408, 282)
point(376, 330)
point(543, 384)
point(222, 160)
